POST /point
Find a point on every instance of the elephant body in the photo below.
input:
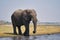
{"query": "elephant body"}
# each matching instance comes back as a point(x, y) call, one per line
point(23, 17)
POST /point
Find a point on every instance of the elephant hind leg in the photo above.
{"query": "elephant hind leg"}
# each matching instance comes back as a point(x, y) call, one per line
point(19, 30)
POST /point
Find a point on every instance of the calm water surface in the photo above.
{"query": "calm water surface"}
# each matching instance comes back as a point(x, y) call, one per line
point(40, 37)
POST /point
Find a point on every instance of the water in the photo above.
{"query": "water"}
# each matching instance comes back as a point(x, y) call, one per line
point(38, 37)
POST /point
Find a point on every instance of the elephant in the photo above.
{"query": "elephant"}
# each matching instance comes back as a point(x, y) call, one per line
point(23, 17)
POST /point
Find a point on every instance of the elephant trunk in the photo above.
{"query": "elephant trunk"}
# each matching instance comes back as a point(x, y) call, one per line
point(35, 24)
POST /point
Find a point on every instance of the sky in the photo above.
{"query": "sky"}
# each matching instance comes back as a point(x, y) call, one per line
point(47, 10)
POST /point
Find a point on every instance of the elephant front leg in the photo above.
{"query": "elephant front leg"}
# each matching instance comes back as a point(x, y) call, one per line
point(26, 33)
point(14, 30)
point(19, 30)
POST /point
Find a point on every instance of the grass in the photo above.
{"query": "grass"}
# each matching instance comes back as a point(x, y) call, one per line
point(7, 30)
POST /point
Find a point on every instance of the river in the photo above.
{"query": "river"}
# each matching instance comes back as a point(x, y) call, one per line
point(37, 37)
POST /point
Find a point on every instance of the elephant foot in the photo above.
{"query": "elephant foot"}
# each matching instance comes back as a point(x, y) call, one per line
point(26, 34)
point(20, 33)
point(15, 33)
point(34, 32)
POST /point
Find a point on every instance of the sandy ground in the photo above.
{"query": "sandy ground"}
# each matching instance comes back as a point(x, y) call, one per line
point(7, 30)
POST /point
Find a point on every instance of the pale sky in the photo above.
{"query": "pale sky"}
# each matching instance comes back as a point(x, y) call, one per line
point(47, 10)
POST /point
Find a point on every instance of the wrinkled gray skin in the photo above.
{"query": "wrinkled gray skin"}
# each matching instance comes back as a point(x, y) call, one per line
point(23, 17)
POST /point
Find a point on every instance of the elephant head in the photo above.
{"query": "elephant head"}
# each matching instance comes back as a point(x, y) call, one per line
point(32, 14)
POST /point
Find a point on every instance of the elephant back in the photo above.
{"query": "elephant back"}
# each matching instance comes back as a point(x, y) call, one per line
point(17, 13)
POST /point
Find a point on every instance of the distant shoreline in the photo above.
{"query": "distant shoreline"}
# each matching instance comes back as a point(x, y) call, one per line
point(37, 24)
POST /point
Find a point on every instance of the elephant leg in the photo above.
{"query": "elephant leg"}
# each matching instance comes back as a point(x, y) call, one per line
point(26, 33)
point(14, 29)
point(19, 30)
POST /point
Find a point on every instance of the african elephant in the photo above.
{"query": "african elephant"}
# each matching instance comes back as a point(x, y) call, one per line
point(23, 17)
